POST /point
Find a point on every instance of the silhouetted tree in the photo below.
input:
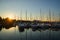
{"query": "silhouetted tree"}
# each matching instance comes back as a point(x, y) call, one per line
point(1, 22)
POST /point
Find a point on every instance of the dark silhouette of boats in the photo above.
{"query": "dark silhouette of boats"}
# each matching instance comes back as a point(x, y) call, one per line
point(21, 29)
point(35, 24)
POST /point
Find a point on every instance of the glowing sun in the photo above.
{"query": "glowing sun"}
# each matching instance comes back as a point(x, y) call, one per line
point(10, 15)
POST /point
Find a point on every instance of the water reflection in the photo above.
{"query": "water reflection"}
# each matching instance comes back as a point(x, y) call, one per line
point(21, 29)
point(19, 33)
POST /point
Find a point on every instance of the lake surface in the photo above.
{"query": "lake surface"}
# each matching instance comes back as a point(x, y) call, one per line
point(14, 34)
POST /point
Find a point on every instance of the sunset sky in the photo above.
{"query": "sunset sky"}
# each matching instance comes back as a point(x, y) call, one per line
point(13, 8)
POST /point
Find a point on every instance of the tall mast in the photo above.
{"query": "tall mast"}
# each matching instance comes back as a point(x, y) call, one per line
point(21, 15)
point(26, 14)
point(49, 15)
point(53, 15)
point(30, 16)
point(40, 15)
point(59, 17)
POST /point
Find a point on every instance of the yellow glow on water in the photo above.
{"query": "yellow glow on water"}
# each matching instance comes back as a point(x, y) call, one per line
point(10, 30)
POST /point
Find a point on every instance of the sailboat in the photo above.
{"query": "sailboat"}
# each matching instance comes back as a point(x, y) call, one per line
point(21, 23)
point(35, 24)
point(57, 25)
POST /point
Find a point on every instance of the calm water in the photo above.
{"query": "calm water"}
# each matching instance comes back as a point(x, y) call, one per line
point(14, 34)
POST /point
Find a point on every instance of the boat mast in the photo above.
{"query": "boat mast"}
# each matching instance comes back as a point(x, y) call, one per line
point(30, 16)
point(49, 15)
point(26, 14)
point(53, 16)
point(40, 15)
point(59, 17)
point(21, 15)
